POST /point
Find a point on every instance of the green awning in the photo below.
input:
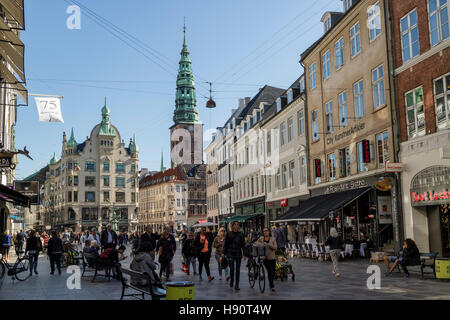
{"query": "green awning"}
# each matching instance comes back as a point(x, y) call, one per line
point(241, 218)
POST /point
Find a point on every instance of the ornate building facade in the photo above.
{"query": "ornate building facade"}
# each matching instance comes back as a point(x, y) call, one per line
point(95, 182)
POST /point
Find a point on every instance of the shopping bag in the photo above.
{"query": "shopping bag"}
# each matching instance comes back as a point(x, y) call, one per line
point(184, 267)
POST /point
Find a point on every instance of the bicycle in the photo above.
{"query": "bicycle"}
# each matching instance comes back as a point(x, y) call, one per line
point(19, 270)
point(256, 267)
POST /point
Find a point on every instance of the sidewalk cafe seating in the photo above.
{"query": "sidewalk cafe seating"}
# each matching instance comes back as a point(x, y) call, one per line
point(98, 264)
point(155, 290)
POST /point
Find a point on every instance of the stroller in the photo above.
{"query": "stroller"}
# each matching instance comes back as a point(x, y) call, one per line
point(70, 255)
point(282, 266)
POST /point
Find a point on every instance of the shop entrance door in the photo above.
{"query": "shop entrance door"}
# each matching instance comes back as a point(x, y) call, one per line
point(444, 214)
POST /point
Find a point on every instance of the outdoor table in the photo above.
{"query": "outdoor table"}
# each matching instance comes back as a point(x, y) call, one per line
point(348, 249)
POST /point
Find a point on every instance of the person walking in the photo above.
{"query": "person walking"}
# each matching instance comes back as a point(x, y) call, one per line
point(6, 245)
point(233, 249)
point(335, 244)
point(20, 240)
point(148, 236)
point(218, 245)
point(183, 237)
point(54, 252)
point(166, 250)
point(269, 259)
point(189, 252)
point(280, 237)
point(33, 247)
point(94, 236)
point(204, 241)
point(120, 238)
point(108, 238)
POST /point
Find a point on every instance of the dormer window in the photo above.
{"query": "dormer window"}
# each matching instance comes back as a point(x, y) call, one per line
point(278, 104)
point(302, 84)
point(290, 96)
point(347, 4)
point(327, 24)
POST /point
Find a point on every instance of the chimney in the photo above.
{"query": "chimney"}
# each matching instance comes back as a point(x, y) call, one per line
point(233, 111)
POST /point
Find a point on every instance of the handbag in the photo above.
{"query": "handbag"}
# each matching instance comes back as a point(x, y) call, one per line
point(184, 267)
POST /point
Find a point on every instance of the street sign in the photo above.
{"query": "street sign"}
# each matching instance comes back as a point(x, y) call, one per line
point(393, 167)
point(5, 162)
point(28, 188)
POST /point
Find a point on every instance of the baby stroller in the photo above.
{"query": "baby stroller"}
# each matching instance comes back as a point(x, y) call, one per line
point(282, 266)
point(70, 255)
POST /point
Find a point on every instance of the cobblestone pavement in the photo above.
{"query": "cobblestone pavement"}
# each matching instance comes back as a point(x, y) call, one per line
point(313, 281)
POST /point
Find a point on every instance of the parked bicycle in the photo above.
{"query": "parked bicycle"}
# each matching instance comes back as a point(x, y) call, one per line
point(19, 270)
point(255, 266)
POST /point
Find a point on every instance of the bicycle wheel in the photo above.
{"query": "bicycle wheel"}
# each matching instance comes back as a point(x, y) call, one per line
point(261, 278)
point(2, 273)
point(22, 269)
point(251, 274)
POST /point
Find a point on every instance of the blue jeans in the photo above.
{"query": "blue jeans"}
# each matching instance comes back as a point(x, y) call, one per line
point(34, 258)
point(220, 267)
point(235, 265)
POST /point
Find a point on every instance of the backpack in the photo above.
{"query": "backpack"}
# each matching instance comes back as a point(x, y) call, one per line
point(105, 254)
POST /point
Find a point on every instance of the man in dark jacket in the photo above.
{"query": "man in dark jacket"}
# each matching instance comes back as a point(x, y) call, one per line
point(171, 238)
point(280, 237)
point(108, 238)
point(54, 251)
point(150, 237)
point(233, 249)
point(20, 238)
point(190, 253)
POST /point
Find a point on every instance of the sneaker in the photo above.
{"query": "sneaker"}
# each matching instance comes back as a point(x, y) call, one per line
point(407, 276)
point(387, 274)
point(52, 273)
point(59, 272)
point(228, 278)
point(35, 272)
point(210, 279)
point(220, 277)
point(231, 284)
point(273, 289)
point(200, 278)
point(237, 288)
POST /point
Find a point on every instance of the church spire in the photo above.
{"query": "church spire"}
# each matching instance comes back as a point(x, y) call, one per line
point(186, 102)
point(162, 162)
point(106, 129)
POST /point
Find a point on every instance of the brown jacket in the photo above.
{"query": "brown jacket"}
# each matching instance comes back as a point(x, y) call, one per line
point(271, 247)
point(218, 245)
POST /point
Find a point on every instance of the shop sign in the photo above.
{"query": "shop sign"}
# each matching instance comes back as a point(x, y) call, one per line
point(393, 167)
point(385, 209)
point(270, 204)
point(430, 197)
point(356, 184)
point(5, 162)
point(384, 184)
point(347, 133)
point(284, 202)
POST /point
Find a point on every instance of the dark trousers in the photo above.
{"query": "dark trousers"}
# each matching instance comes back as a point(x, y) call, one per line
point(235, 265)
point(55, 259)
point(405, 269)
point(203, 260)
point(109, 245)
point(34, 258)
point(270, 267)
point(165, 266)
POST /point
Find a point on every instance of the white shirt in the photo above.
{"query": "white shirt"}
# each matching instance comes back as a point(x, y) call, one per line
point(97, 238)
point(110, 240)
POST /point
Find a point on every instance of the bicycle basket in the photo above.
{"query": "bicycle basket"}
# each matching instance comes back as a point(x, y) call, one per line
point(259, 251)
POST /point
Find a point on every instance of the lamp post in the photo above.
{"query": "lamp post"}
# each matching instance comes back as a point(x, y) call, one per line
point(114, 218)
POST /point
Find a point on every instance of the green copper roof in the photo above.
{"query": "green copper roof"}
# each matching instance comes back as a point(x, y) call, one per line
point(133, 146)
point(185, 101)
point(106, 129)
point(72, 143)
point(54, 159)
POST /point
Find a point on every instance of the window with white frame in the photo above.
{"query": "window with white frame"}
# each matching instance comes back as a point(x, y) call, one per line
point(362, 166)
point(327, 24)
point(301, 122)
point(290, 129)
point(383, 148)
point(284, 175)
point(415, 113)
point(438, 21)
point(347, 4)
point(278, 104)
point(343, 116)
point(339, 52)
point(442, 101)
point(355, 39)
point(331, 167)
point(283, 133)
point(302, 170)
point(277, 179)
point(410, 36)
point(374, 21)
point(378, 87)
point(329, 116)
point(292, 174)
point(344, 162)
point(276, 140)
point(326, 65)
point(312, 76)
point(315, 125)
point(358, 96)
point(290, 96)
point(302, 84)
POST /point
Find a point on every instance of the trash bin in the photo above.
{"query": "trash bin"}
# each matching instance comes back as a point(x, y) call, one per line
point(442, 268)
point(180, 290)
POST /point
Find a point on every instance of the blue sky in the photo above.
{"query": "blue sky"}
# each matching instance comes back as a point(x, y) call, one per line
point(238, 45)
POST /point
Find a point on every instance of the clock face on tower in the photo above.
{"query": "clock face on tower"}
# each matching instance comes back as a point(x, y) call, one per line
point(191, 128)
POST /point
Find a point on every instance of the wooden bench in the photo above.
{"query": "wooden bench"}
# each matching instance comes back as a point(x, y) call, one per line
point(152, 289)
point(97, 264)
point(427, 260)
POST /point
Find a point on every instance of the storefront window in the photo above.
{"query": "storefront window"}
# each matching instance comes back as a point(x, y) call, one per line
point(442, 101)
point(344, 162)
point(415, 113)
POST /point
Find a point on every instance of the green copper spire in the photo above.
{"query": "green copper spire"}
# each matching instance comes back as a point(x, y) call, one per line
point(72, 143)
point(162, 162)
point(185, 101)
point(54, 159)
point(106, 129)
point(133, 147)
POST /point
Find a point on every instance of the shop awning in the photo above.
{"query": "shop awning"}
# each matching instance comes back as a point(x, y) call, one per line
point(317, 208)
point(241, 218)
point(9, 195)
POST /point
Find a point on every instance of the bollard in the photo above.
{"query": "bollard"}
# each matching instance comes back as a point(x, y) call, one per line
point(180, 290)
